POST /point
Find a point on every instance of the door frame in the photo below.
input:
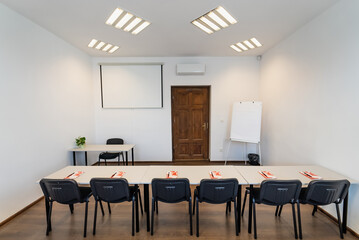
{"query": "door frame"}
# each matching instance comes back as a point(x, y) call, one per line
point(209, 119)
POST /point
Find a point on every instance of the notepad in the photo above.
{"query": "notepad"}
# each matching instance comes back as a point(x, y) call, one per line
point(74, 175)
point(310, 175)
point(267, 174)
point(215, 175)
point(172, 174)
point(118, 174)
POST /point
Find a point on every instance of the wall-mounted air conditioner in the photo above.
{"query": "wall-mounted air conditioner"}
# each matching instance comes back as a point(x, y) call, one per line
point(191, 69)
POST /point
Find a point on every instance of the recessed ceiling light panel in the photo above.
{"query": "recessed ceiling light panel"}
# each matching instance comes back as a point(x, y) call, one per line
point(246, 45)
point(100, 45)
point(127, 21)
point(214, 20)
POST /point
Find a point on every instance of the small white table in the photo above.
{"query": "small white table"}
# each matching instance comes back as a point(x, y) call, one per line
point(250, 173)
point(105, 148)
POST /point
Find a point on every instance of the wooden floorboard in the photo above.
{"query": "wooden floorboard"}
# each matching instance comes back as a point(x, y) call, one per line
point(172, 222)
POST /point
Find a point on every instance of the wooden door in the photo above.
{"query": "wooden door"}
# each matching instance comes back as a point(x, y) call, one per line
point(190, 123)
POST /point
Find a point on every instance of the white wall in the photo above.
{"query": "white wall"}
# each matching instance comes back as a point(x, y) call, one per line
point(309, 86)
point(46, 101)
point(231, 79)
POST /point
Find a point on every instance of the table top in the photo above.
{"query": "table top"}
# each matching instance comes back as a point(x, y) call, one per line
point(133, 174)
point(244, 174)
point(250, 173)
point(194, 173)
point(104, 148)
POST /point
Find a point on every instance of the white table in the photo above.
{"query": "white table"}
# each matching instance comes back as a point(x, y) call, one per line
point(104, 148)
point(250, 173)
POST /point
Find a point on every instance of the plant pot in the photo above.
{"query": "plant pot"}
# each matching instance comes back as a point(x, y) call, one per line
point(81, 146)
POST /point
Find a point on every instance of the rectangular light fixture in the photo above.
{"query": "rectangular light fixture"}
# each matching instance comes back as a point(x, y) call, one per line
point(214, 20)
point(100, 45)
point(246, 45)
point(127, 21)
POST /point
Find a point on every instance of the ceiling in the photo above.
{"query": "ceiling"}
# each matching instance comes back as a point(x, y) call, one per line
point(171, 32)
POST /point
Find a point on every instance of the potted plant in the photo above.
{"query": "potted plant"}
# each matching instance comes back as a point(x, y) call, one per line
point(80, 142)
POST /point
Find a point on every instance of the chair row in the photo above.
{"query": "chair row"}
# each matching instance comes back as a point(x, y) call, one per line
point(215, 191)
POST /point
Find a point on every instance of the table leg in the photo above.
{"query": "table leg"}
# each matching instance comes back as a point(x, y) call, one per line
point(127, 158)
point(345, 213)
point(250, 209)
point(132, 154)
point(86, 158)
point(147, 205)
point(74, 157)
point(239, 204)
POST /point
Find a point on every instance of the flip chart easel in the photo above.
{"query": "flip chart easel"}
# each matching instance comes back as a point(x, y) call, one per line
point(246, 124)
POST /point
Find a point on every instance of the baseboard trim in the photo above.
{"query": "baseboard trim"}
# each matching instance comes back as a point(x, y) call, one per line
point(20, 212)
point(336, 221)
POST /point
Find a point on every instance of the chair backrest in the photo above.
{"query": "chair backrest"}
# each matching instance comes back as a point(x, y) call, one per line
point(171, 190)
point(218, 190)
point(110, 190)
point(279, 192)
point(323, 192)
point(65, 191)
point(115, 141)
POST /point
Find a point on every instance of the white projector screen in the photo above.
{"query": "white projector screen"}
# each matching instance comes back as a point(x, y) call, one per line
point(131, 85)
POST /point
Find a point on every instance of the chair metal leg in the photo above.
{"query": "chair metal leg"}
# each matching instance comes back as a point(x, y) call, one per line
point(254, 218)
point(339, 221)
point(137, 215)
point(47, 207)
point(71, 208)
point(49, 220)
point(280, 210)
point(315, 208)
point(105, 162)
point(227, 208)
point(85, 224)
point(109, 207)
point(140, 200)
point(244, 202)
point(294, 222)
point(152, 213)
point(94, 219)
point(157, 207)
point(197, 217)
point(236, 217)
point(190, 216)
point(299, 220)
point(103, 212)
point(133, 216)
point(194, 204)
point(276, 210)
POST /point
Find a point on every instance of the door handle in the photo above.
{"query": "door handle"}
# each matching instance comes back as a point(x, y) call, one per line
point(204, 126)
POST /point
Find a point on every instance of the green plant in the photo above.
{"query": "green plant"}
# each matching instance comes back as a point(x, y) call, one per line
point(80, 141)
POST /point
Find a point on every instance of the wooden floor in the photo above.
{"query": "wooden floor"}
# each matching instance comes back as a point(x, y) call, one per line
point(172, 222)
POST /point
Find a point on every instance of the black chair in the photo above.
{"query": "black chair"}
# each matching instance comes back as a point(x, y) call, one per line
point(64, 191)
point(278, 193)
point(114, 191)
point(110, 155)
point(171, 191)
point(325, 192)
point(216, 191)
